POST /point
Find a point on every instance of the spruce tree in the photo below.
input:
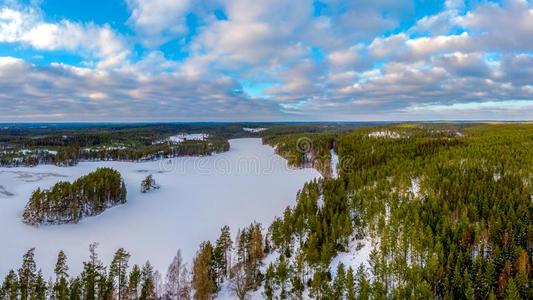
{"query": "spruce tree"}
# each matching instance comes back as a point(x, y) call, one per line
point(147, 282)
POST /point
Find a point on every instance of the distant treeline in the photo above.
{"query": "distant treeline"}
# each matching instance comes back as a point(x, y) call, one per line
point(71, 155)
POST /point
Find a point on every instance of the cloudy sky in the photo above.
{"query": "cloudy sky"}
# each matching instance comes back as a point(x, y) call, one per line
point(250, 60)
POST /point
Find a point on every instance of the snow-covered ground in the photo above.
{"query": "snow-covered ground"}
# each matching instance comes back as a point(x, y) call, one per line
point(254, 130)
point(198, 195)
point(385, 134)
point(188, 137)
point(359, 254)
point(334, 164)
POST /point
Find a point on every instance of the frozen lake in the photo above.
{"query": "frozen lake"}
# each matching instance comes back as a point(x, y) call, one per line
point(198, 195)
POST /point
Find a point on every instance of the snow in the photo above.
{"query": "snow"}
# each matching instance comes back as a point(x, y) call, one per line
point(5, 192)
point(188, 137)
point(226, 292)
point(359, 254)
point(35, 151)
point(334, 164)
point(198, 195)
point(384, 134)
point(254, 130)
point(415, 187)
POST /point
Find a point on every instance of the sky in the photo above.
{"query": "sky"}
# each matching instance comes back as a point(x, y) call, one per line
point(269, 60)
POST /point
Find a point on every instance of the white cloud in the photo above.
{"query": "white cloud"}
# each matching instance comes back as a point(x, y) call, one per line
point(362, 70)
point(93, 41)
point(92, 94)
point(157, 21)
point(505, 28)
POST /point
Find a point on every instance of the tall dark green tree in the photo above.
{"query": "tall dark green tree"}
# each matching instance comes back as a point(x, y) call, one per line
point(119, 272)
point(60, 289)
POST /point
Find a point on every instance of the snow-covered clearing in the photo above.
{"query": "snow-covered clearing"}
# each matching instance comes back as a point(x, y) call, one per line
point(358, 254)
point(198, 195)
point(254, 130)
point(385, 134)
point(334, 164)
point(188, 137)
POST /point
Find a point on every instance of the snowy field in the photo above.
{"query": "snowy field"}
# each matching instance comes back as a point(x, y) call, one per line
point(198, 195)
point(188, 137)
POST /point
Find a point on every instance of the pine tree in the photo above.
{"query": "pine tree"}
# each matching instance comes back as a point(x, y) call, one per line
point(469, 289)
point(350, 285)
point(269, 282)
point(39, 288)
point(203, 279)
point(222, 253)
point(10, 287)
point(364, 289)
point(339, 283)
point(92, 274)
point(118, 272)
point(148, 285)
point(511, 291)
point(148, 184)
point(282, 275)
point(60, 289)
point(75, 288)
point(134, 282)
point(27, 274)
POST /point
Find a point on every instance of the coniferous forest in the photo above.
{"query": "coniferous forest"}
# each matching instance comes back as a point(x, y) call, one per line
point(446, 208)
point(67, 202)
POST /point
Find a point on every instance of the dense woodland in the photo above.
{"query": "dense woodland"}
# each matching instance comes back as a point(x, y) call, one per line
point(68, 144)
point(447, 209)
point(67, 202)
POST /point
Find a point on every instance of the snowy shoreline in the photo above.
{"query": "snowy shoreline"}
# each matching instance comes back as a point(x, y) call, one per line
point(198, 196)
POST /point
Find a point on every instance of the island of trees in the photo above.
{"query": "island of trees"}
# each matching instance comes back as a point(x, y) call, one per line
point(69, 202)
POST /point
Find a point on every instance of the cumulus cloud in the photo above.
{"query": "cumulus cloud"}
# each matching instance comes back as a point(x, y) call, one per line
point(328, 59)
point(28, 27)
point(89, 94)
point(157, 21)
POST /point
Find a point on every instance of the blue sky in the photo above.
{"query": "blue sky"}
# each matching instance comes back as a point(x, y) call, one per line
point(242, 60)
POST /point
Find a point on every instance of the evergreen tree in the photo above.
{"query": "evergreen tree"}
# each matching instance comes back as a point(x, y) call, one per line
point(339, 283)
point(75, 289)
point(350, 285)
point(92, 275)
point(39, 289)
point(511, 291)
point(27, 275)
point(222, 253)
point(269, 282)
point(148, 285)
point(118, 272)
point(134, 282)
point(364, 289)
point(148, 184)
point(60, 288)
point(10, 287)
point(203, 279)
